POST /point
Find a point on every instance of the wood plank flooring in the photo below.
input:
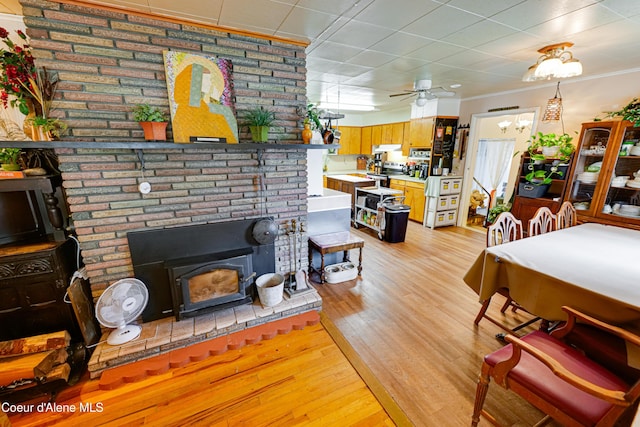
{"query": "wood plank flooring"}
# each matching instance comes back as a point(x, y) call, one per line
point(408, 322)
point(410, 319)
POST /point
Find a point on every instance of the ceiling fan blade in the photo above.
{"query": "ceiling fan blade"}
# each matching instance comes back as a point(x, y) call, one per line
point(440, 91)
point(402, 94)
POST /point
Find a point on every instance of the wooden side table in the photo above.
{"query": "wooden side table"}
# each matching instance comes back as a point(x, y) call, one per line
point(331, 243)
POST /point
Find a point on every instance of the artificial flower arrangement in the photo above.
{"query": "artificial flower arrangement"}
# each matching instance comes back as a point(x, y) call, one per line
point(21, 82)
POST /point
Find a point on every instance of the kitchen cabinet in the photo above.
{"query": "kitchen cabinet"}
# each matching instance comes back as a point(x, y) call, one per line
point(443, 199)
point(387, 134)
point(350, 140)
point(376, 134)
point(397, 132)
point(421, 132)
point(366, 144)
point(414, 196)
point(601, 145)
point(405, 138)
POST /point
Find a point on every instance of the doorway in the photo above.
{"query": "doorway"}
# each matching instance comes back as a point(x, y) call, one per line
point(496, 142)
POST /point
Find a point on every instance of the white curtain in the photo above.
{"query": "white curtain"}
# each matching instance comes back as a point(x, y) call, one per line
point(493, 163)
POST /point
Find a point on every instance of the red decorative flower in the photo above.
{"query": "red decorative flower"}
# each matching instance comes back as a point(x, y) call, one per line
point(17, 67)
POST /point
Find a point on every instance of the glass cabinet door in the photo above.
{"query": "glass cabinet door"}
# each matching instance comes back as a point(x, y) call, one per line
point(594, 144)
point(623, 192)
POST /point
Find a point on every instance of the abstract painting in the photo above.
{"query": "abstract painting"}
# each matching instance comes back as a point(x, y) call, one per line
point(200, 97)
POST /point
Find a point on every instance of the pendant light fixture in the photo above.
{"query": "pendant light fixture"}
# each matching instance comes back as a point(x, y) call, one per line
point(553, 110)
point(556, 62)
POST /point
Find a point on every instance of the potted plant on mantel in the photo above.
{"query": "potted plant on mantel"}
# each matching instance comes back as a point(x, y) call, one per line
point(259, 120)
point(152, 120)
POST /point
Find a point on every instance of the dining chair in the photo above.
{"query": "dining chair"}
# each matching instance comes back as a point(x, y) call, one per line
point(566, 216)
point(506, 228)
point(543, 221)
point(564, 382)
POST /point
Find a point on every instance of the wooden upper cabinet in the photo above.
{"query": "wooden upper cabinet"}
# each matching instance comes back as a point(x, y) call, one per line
point(350, 140)
point(421, 132)
point(387, 134)
point(397, 132)
point(366, 145)
point(376, 134)
point(405, 138)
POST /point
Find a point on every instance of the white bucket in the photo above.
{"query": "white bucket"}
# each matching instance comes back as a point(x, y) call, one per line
point(270, 288)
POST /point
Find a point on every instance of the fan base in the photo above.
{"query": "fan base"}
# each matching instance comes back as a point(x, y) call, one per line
point(123, 335)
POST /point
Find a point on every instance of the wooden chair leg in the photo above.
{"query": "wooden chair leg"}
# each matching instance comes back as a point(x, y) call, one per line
point(481, 394)
point(483, 310)
point(506, 305)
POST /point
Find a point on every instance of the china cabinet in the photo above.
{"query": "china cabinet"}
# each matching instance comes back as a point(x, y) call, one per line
point(603, 174)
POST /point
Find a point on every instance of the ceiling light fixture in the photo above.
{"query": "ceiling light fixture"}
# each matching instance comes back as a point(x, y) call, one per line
point(555, 62)
point(421, 100)
point(553, 111)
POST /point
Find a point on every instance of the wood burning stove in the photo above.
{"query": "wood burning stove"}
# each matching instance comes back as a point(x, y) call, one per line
point(214, 281)
point(180, 265)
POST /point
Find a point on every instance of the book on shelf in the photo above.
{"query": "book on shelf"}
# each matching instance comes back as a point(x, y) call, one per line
point(11, 174)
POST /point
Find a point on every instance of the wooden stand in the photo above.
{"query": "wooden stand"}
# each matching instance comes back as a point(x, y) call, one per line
point(331, 243)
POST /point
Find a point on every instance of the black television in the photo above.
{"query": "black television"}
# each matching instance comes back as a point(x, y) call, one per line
point(20, 217)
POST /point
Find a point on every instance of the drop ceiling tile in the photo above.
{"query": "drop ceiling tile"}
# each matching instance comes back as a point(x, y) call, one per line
point(209, 10)
point(338, 7)
point(479, 33)
point(400, 43)
point(575, 22)
point(520, 45)
point(371, 58)
point(403, 64)
point(360, 34)
point(436, 51)
point(251, 14)
point(624, 8)
point(441, 22)
point(334, 51)
point(532, 13)
point(301, 23)
point(388, 14)
point(484, 8)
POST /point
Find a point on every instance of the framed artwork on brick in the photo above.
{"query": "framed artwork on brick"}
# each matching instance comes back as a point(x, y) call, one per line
point(200, 98)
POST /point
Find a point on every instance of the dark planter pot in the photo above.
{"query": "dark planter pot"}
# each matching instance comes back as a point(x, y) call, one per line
point(528, 167)
point(526, 189)
point(555, 175)
point(154, 131)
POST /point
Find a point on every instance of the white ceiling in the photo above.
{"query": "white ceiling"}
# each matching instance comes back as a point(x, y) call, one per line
point(365, 50)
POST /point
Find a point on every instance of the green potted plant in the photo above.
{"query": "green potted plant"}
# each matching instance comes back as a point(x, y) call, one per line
point(259, 120)
point(9, 159)
point(630, 112)
point(550, 146)
point(493, 213)
point(152, 120)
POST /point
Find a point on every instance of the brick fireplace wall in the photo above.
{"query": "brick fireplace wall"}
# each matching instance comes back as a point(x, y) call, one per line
point(109, 61)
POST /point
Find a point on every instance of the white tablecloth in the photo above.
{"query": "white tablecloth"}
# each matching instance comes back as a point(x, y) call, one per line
point(592, 267)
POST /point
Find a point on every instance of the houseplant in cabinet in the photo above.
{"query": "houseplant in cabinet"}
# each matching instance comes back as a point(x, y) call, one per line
point(594, 194)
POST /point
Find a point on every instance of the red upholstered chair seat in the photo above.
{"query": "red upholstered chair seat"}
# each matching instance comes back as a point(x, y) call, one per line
point(536, 377)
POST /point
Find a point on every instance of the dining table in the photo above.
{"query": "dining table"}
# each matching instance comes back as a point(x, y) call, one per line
point(594, 268)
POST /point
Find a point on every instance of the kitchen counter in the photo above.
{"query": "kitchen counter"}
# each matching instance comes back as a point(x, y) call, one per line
point(407, 178)
point(330, 199)
point(351, 178)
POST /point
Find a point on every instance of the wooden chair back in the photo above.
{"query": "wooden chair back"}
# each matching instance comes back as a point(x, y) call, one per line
point(506, 228)
point(542, 222)
point(566, 216)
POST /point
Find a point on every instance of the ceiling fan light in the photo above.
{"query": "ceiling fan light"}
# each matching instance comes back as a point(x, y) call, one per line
point(548, 68)
point(570, 68)
point(421, 101)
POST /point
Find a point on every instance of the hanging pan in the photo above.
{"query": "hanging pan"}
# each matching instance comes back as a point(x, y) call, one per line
point(265, 230)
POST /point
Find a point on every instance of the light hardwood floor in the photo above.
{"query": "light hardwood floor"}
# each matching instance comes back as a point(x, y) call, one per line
point(409, 325)
point(410, 319)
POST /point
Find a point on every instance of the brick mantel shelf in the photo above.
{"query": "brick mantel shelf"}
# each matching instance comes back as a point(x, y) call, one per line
point(141, 145)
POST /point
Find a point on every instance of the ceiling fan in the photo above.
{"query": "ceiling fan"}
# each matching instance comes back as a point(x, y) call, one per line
point(425, 92)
